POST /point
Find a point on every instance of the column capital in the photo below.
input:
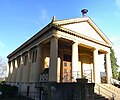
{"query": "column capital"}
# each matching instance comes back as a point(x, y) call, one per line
point(54, 36)
point(108, 52)
point(75, 43)
point(95, 49)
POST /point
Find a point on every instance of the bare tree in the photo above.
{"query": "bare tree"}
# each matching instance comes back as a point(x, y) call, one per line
point(3, 68)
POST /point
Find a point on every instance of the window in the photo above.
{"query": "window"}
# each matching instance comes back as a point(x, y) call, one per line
point(65, 64)
point(19, 60)
point(25, 59)
point(34, 56)
point(65, 70)
point(13, 64)
point(67, 57)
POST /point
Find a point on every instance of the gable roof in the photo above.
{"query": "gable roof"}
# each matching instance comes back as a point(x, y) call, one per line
point(58, 24)
point(62, 23)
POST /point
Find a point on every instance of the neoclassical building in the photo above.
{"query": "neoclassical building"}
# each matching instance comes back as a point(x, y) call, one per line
point(61, 52)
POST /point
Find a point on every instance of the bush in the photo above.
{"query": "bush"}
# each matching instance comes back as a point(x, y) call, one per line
point(8, 90)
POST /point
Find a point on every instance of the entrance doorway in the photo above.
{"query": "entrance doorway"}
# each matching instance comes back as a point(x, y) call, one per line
point(87, 72)
point(67, 68)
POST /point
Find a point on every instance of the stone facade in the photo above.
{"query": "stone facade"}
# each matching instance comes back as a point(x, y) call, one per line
point(76, 43)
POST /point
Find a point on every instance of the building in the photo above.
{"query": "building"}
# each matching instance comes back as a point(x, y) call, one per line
point(61, 52)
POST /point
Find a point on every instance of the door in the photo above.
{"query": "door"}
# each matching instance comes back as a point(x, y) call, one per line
point(66, 77)
point(87, 72)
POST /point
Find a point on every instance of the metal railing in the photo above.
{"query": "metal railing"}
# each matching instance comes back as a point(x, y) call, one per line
point(69, 76)
point(114, 81)
point(31, 95)
point(104, 92)
point(88, 75)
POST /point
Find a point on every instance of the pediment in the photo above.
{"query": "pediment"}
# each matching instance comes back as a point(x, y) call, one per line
point(86, 27)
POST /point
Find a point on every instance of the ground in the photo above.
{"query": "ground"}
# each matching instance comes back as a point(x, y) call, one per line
point(15, 98)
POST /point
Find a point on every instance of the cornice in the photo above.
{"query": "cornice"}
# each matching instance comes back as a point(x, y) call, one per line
point(83, 19)
point(32, 39)
point(80, 35)
point(70, 21)
point(57, 24)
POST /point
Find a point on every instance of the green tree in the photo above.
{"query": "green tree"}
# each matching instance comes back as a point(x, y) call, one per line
point(114, 64)
point(3, 69)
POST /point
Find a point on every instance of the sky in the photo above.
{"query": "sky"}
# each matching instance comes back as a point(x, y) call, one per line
point(21, 19)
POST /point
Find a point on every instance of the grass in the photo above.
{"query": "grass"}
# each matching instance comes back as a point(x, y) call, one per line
point(15, 98)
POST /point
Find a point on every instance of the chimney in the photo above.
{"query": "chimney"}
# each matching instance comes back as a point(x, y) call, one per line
point(54, 18)
point(84, 12)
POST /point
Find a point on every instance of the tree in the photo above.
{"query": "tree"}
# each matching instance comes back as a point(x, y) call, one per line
point(3, 68)
point(114, 64)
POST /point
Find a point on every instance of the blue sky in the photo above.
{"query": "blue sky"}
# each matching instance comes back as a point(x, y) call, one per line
point(21, 19)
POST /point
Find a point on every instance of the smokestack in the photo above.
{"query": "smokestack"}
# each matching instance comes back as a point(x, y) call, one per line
point(84, 12)
point(54, 18)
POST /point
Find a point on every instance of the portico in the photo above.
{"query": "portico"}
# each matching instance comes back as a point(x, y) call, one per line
point(81, 58)
point(69, 49)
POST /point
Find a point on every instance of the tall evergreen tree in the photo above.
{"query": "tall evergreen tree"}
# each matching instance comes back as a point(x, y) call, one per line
point(114, 64)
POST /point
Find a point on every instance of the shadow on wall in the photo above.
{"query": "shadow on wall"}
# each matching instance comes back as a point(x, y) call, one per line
point(65, 91)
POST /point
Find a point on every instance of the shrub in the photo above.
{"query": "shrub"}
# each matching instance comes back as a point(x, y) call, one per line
point(8, 90)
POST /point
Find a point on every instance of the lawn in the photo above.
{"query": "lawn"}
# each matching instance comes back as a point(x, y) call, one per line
point(15, 98)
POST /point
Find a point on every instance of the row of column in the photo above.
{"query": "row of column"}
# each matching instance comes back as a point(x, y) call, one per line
point(18, 72)
point(96, 69)
point(53, 67)
point(15, 70)
point(31, 72)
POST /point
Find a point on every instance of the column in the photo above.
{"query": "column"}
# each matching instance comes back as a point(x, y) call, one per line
point(28, 66)
point(38, 65)
point(96, 66)
point(61, 66)
point(53, 59)
point(21, 69)
point(108, 68)
point(9, 72)
point(74, 61)
point(58, 69)
point(41, 57)
point(12, 71)
point(15, 69)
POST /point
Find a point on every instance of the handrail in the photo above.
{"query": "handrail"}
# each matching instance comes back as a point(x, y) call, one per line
point(114, 81)
point(32, 95)
point(101, 92)
point(66, 74)
point(76, 74)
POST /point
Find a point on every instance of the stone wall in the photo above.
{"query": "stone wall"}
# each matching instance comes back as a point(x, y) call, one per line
point(65, 91)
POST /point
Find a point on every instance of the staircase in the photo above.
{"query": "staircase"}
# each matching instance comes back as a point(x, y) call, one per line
point(96, 96)
point(113, 89)
point(108, 90)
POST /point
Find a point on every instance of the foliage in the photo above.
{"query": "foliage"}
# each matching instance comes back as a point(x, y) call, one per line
point(119, 76)
point(114, 64)
point(8, 90)
point(3, 68)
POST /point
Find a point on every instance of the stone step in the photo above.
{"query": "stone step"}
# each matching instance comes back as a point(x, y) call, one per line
point(113, 89)
point(97, 97)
